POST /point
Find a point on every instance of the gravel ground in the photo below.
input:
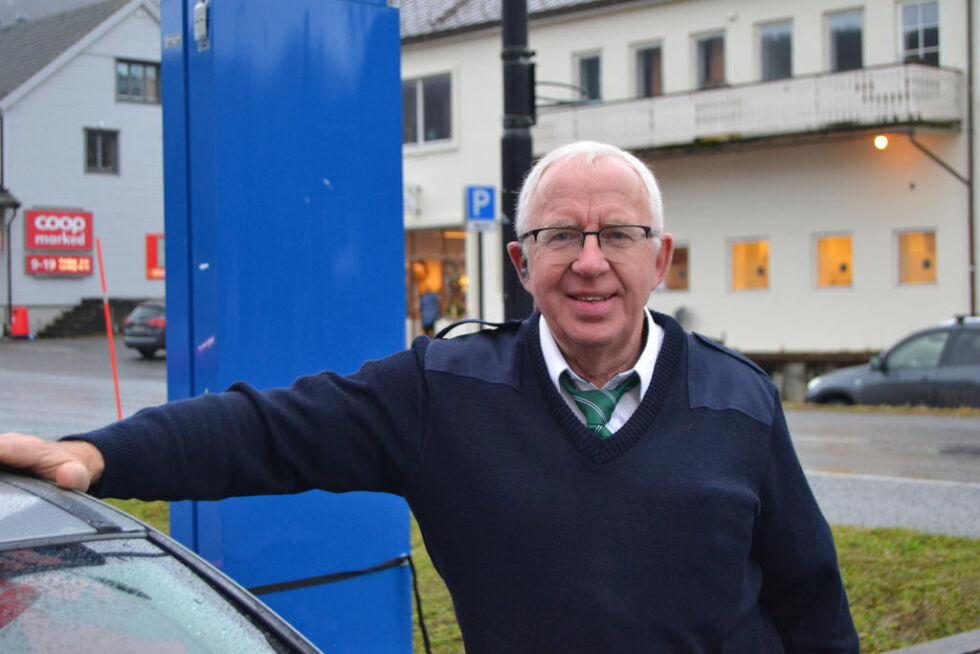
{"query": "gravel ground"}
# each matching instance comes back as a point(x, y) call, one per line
point(940, 507)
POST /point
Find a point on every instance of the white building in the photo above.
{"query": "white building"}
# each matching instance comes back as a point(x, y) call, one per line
point(797, 239)
point(81, 149)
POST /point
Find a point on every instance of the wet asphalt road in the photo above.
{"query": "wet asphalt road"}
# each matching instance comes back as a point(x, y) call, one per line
point(872, 469)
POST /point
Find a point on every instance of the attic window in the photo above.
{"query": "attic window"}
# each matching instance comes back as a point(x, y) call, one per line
point(137, 81)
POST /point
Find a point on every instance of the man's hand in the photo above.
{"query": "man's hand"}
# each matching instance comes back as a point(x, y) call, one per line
point(70, 464)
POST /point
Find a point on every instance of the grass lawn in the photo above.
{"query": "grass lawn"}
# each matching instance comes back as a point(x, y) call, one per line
point(905, 587)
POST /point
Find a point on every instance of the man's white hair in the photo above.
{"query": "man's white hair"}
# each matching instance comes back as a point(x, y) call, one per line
point(587, 153)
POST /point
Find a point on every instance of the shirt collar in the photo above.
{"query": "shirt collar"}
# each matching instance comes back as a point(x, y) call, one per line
point(644, 365)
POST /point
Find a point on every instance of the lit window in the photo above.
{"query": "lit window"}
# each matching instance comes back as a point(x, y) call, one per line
point(711, 61)
point(155, 257)
point(137, 81)
point(427, 109)
point(589, 79)
point(920, 32)
point(917, 258)
point(846, 30)
point(101, 151)
point(835, 262)
point(649, 72)
point(679, 275)
point(775, 49)
point(750, 265)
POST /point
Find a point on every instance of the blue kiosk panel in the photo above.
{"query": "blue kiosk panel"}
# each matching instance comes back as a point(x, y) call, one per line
point(285, 255)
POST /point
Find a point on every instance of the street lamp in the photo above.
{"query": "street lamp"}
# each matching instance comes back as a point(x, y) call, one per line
point(8, 205)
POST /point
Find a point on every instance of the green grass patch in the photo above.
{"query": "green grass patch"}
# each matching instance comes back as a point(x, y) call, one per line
point(905, 587)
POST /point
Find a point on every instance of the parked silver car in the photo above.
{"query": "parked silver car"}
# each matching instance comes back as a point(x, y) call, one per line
point(77, 575)
point(938, 366)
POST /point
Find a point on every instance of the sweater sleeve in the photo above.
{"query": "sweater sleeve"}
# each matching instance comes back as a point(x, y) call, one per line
point(326, 431)
point(802, 590)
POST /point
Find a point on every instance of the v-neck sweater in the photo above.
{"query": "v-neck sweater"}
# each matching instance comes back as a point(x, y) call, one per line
point(691, 529)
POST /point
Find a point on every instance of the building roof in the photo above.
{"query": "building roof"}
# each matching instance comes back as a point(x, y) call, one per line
point(27, 47)
point(428, 19)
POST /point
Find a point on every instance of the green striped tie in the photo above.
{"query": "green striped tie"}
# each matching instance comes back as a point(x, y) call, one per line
point(597, 405)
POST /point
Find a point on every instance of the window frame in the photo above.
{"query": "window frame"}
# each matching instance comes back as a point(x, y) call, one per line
point(697, 40)
point(421, 143)
point(577, 59)
point(638, 80)
point(816, 238)
point(664, 285)
point(731, 243)
point(897, 258)
point(142, 98)
point(829, 40)
point(100, 169)
point(760, 49)
point(900, 25)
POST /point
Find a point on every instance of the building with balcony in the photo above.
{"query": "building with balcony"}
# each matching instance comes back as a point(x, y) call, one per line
point(798, 240)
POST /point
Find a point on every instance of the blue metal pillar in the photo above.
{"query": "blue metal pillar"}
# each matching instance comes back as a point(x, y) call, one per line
point(285, 256)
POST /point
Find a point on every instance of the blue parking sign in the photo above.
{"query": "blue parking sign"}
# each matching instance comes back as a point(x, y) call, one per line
point(480, 203)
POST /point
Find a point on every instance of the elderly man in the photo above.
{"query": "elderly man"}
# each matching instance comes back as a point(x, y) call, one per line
point(590, 479)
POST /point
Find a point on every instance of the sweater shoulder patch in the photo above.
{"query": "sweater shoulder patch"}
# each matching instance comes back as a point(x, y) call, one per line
point(720, 379)
point(489, 356)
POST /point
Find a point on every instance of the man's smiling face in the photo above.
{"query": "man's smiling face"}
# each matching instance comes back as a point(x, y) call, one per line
point(593, 306)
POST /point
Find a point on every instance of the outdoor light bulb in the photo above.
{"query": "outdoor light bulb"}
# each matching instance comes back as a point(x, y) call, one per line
point(881, 141)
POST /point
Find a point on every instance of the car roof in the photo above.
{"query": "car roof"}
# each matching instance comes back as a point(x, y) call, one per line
point(967, 321)
point(33, 512)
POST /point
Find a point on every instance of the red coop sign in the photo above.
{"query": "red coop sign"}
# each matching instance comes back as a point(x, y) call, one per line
point(59, 264)
point(55, 229)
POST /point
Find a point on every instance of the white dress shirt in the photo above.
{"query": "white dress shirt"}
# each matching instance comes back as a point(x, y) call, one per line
point(557, 364)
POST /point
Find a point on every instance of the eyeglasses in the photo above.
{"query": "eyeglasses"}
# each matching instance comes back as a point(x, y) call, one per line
point(565, 243)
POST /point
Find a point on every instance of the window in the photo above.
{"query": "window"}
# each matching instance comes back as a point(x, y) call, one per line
point(679, 276)
point(711, 61)
point(846, 30)
point(834, 261)
point(137, 81)
point(155, 257)
point(918, 352)
point(589, 79)
point(920, 32)
point(775, 50)
point(917, 258)
point(966, 349)
point(750, 265)
point(101, 151)
point(649, 72)
point(427, 109)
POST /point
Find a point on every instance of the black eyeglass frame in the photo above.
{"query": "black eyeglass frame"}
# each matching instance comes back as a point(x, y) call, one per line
point(648, 232)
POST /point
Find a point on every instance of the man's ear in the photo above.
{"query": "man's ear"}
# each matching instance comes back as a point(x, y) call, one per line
point(520, 262)
point(665, 254)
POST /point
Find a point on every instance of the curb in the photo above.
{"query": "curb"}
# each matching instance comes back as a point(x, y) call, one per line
point(965, 643)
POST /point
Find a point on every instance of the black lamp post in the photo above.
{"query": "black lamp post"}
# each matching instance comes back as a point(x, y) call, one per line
point(8, 205)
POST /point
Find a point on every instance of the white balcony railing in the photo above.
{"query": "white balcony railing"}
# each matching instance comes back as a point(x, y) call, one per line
point(906, 94)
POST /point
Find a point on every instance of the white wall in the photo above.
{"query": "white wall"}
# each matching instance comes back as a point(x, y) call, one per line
point(785, 193)
point(45, 159)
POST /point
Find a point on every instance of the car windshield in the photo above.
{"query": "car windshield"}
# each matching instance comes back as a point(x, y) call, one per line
point(146, 311)
point(919, 352)
point(115, 596)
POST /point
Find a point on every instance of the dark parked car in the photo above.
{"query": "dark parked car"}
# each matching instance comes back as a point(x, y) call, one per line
point(938, 366)
point(77, 575)
point(145, 328)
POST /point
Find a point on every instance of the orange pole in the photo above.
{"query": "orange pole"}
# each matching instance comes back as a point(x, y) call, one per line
point(108, 330)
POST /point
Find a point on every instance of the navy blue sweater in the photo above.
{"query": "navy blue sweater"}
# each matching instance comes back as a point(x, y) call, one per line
point(691, 529)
